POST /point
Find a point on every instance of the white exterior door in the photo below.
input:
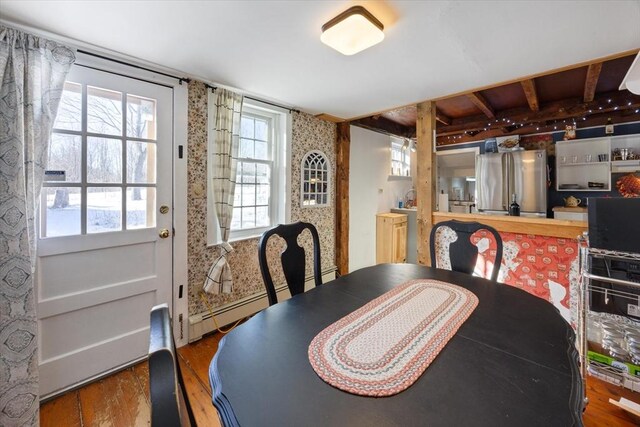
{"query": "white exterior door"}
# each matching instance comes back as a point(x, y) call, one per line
point(105, 228)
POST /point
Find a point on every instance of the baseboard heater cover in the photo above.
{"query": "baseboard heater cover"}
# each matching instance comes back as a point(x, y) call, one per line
point(202, 323)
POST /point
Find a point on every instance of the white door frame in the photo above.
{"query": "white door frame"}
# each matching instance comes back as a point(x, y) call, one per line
point(180, 117)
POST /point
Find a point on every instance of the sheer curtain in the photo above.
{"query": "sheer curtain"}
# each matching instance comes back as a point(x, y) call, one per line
point(225, 108)
point(33, 71)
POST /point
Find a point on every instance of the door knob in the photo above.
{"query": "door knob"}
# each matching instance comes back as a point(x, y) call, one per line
point(164, 233)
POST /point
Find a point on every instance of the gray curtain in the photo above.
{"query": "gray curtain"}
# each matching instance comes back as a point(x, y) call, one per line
point(32, 73)
point(225, 108)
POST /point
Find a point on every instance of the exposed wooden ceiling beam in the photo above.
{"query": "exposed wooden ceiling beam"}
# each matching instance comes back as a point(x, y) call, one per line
point(559, 110)
point(592, 80)
point(618, 117)
point(443, 119)
point(482, 104)
point(384, 125)
point(529, 87)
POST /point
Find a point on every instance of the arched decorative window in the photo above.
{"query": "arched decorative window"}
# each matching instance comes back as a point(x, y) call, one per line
point(315, 182)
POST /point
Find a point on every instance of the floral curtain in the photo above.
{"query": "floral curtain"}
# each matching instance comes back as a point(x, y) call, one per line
point(32, 73)
point(225, 108)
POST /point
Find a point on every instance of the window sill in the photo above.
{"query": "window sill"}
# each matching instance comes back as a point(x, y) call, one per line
point(399, 178)
point(241, 238)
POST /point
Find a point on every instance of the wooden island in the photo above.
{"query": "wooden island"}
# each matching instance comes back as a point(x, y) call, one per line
point(521, 224)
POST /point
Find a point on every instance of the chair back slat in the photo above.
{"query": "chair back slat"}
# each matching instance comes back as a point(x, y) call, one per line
point(292, 258)
point(463, 254)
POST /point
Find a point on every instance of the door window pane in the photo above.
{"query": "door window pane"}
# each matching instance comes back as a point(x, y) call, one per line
point(141, 209)
point(62, 217)
point(141, 117)
point(104, 111)
point(104, 209)
point(65, 154)
point(69, 115)
point(141, 162)
point(104, 160)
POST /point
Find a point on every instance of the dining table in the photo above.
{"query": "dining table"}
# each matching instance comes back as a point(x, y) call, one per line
point(513, 362)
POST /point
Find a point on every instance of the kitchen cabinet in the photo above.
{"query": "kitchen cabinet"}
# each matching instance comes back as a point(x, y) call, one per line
point(581, 162)
point(391, 238)
point(632, 144)
point(572, 214)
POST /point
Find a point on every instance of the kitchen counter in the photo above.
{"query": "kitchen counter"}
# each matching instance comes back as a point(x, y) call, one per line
point(519, 224)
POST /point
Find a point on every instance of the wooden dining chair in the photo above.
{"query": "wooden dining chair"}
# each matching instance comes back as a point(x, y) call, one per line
point(292, 258)
point(463, 254)
point(169, 400)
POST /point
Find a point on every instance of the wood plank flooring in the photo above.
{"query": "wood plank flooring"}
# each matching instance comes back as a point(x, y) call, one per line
point(122, 399)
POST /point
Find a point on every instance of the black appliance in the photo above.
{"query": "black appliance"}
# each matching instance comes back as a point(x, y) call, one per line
point(614, 224)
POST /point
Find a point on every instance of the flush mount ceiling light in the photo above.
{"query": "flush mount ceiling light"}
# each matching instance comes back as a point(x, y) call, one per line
point(352, 31)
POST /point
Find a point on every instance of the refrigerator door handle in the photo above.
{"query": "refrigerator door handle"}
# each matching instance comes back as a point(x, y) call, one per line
point(505, 180)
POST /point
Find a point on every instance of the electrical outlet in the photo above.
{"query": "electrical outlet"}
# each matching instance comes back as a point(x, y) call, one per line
point(633, 310)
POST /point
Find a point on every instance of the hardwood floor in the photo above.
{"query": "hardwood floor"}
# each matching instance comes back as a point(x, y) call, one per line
point(122, 399)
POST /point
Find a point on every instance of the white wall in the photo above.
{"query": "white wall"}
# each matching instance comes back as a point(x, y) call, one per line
point(370, 192)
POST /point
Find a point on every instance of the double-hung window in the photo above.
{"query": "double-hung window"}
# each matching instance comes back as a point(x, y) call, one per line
point(258, 202)
point(400, 158)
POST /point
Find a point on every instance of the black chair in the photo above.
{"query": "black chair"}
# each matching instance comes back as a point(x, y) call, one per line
point(462, 253)
point(169, 400)
point(292, 258)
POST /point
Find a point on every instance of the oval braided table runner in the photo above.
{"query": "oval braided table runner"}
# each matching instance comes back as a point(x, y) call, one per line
point(384, 346)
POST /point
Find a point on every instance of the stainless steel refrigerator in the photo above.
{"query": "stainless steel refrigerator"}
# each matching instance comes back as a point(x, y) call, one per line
point(500, 175)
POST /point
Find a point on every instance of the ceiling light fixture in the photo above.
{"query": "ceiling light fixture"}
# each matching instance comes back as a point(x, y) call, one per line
point(354, 30)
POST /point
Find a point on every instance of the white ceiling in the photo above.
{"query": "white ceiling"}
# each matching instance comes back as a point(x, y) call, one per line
point(272, 49)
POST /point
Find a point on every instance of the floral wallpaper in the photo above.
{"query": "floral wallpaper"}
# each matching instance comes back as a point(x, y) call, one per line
point(308, 133)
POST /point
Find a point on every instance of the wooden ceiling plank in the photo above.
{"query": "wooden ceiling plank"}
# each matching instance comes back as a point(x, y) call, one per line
point(529, 87)
point(593, 73)
point(569, 108)
point(481, 102)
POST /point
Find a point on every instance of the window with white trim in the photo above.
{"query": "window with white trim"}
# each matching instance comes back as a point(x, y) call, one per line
point(259, 198)
point(400, 158)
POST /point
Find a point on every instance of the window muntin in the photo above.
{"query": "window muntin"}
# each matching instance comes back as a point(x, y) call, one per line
point(101, 163)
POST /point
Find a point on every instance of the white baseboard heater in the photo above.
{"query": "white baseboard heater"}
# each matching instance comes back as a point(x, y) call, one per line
point(202, 323)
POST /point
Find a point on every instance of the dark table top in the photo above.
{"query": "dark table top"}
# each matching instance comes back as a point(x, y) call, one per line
point(512, 363)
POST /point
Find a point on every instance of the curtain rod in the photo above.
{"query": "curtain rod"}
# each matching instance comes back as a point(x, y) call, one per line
point(180, 79)
point(290, 110)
